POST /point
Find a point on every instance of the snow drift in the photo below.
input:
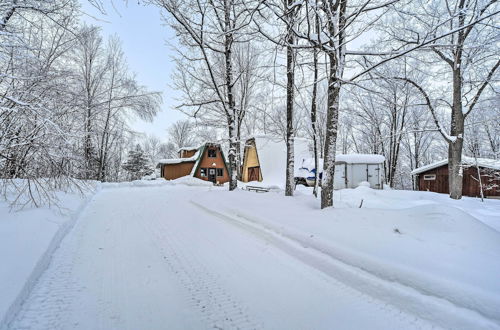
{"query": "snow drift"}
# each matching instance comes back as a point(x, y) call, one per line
point(439, 251)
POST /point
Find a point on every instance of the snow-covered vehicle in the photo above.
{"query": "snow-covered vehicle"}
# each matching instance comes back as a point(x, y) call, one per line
point(149, 177)
point(306, 174)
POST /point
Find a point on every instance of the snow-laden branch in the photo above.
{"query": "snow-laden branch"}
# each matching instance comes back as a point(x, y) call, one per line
point(446, 136)
point(419, 46)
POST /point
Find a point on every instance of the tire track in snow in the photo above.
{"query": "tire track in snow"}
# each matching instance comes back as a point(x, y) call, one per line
point(52, 296)
point(219, 309)
point(356, 281)
point(106, 274)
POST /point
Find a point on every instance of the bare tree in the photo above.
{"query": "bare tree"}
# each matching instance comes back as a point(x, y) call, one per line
point(64, 98)
point(182, 134)
point(210, 30)
point(35, 39)
point(90, 56)
point(466, 57)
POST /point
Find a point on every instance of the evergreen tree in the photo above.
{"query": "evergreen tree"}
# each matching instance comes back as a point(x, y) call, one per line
point(137, 164)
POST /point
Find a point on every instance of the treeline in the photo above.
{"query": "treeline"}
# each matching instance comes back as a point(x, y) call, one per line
point(65, 96)
point(415, 80)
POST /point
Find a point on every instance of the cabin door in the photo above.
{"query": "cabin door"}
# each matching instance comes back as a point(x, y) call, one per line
point(253, 173)
point(211, 175)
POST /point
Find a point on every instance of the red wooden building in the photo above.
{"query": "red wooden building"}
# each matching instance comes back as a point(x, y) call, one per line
point(434, 177)
point(206, 163)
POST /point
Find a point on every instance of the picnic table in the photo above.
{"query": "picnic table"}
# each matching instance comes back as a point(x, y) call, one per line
point(257, 189)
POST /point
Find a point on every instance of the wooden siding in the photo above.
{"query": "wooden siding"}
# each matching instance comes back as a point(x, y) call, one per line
point(208, 162)
point(470, 184)
point(250, 159)
point(187, 153)
point(175, 171)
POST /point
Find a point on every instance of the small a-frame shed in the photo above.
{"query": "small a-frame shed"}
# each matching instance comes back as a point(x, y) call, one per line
point(264, 158)
point(251, 165)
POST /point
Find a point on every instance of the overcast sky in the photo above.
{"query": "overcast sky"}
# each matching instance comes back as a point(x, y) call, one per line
point(144, 39)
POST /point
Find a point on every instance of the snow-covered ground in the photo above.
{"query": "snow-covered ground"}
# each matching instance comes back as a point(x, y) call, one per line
point(178, 255)
point(420, 244)
point(27, 240)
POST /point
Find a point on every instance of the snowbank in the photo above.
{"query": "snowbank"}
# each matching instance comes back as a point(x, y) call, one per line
point(190, 181)
point(405, 238)
point(27, 240)
point(135, 183)
point(487, 212)
point(185, 180)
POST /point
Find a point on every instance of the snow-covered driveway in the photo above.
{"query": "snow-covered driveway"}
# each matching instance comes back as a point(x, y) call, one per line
point(148, 258)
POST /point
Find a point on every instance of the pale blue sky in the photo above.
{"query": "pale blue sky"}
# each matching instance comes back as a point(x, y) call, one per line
point(144, 39)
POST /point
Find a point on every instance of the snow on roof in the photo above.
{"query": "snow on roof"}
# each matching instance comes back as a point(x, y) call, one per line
point(179, 160)
point(188, 148)
point(271, 151)
point(360, 158)
point(429, 166)
point(470, 161)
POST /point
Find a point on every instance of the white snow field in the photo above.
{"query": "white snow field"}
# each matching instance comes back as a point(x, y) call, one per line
point(27, 240)
point(163, 255)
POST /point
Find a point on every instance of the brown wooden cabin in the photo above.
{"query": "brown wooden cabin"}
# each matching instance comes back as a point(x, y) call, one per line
point(434, 177)
point(206, 163)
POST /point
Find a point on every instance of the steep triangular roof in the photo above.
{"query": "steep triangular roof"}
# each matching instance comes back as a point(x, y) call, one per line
point(201, 152)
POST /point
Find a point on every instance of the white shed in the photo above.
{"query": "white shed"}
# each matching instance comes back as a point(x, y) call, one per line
point(352, 169)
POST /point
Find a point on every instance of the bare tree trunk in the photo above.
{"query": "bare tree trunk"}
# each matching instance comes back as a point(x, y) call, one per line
point(491, 140)
point(455, 147)
point(105, 134)
point(332, 120)
point(238, 150)
point(336, 58)
point(313, 122)
point(233, 121)
point(290, 75)
point(455, 168)
point(233, 183)
point(87, 144)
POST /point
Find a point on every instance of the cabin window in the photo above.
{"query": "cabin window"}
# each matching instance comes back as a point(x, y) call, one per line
point(430, 177)
point(203, 172)
point(212, 153)
point(220, 172)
